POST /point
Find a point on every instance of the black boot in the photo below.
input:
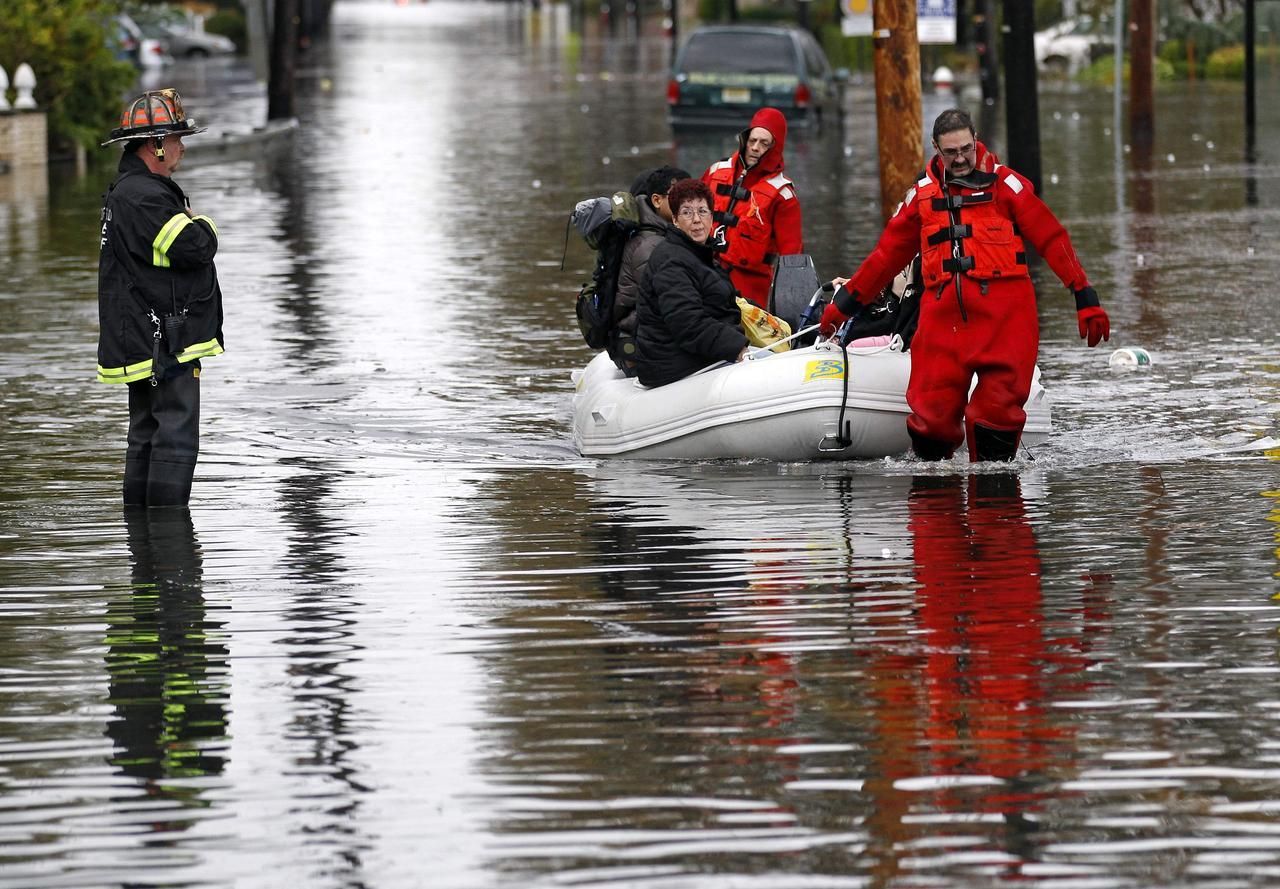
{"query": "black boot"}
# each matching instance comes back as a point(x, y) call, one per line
point(175, 446)
point(135, 481)
point(169, 484)
point(930, 448)
point(997, 445)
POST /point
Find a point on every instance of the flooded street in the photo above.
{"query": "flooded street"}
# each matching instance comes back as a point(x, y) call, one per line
point(406, 637)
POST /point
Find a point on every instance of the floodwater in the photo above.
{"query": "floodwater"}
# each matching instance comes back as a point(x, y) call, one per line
point(406, 637)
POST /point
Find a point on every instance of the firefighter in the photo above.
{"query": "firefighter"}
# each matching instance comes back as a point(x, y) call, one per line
point(757, 213)
point(967, 217)
point(159, 304)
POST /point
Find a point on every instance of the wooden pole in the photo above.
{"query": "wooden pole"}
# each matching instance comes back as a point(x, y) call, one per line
point(673, 17)
point(1142, 60)
point(284, 59)
point(984, 42)
point(1022, 101)
point(1250, 84)
point(898, 124)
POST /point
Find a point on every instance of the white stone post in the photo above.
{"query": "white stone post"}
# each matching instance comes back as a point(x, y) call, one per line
point(4, 90)
point(24, 80)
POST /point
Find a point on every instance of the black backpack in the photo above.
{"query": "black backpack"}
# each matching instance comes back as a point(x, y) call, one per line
point(606, 224)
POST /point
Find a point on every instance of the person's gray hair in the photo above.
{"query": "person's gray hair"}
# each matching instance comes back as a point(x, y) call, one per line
point(951, 120)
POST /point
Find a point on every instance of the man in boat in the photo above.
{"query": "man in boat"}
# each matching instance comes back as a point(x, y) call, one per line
point(978, 309)
point(757, 213)
point(650, 189)
point(159, 303)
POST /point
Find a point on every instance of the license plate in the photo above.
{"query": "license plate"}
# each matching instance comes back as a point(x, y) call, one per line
point(736, 96)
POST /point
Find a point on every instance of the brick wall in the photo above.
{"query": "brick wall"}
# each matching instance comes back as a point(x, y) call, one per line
point(23, 141)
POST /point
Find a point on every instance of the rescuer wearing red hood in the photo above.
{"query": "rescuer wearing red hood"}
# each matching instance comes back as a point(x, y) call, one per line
point(968, 217)
point(757, 213)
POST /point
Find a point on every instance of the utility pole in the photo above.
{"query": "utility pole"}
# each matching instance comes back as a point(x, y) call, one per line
point(984, 43)
point(898, 125)
point(1250, 86)
point(284, 57)
point(1022, 102)
point(1142, 60)
point(672, 8)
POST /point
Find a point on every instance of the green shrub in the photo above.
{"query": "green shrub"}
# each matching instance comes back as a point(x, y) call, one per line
point(769, 13)
point(68, 44)
point(1226, 63)
point(230, 24)
point(1103, 72)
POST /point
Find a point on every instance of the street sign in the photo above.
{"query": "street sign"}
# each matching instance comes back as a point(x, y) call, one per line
point(935, 20)
point(857, 18)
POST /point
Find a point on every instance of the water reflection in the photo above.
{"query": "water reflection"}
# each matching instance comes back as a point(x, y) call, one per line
point(802, 661)
point(167, 665)
point(321, 650)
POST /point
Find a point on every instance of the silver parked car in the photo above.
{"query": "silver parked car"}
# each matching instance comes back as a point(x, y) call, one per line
point(190, 43)
point(182, 33)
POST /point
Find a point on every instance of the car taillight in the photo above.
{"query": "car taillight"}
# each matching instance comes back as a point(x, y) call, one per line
point(803, 96)
point(673, 92)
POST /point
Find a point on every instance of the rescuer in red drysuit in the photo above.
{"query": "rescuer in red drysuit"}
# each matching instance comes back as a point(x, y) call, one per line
point(756, 211)
point(967, 217)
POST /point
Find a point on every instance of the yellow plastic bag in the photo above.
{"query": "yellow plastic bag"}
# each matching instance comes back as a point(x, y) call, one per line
point(761, 328)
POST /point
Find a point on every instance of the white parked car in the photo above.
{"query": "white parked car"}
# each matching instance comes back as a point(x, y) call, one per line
point(1073, 44)
point(134, 45)
point(196, 43)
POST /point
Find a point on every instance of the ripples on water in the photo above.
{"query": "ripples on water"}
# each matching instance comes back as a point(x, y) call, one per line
point(406, 637)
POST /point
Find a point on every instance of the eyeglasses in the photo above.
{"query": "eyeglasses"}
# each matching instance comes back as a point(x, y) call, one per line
point(689, 214)
point(953, 153)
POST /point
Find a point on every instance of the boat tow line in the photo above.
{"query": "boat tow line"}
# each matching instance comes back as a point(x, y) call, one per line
point(830, 444)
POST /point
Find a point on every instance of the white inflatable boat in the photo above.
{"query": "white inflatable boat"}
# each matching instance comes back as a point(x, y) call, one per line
point(788, 407)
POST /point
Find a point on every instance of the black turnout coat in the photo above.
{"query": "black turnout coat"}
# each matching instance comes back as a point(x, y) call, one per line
point(155, 260)
point(687, 316)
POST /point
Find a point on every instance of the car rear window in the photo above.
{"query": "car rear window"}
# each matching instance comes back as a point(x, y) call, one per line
point(744, 53)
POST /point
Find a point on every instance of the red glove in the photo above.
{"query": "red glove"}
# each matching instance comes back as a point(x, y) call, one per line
point(832, 318)
point(1094, 324)
point(1093, 320)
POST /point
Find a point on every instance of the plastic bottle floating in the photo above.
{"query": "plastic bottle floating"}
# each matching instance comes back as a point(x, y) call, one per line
point(1128, 359)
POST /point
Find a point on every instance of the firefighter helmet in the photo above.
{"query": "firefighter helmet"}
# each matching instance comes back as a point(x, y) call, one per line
point(154, 114)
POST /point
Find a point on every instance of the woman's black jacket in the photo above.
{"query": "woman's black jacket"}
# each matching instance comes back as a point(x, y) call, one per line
point(687, 317)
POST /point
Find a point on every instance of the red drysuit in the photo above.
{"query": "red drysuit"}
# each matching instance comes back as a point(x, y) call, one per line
point(762, 221)
point(978, 311)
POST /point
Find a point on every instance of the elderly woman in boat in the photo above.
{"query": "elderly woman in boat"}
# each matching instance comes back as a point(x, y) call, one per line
point(686, 313)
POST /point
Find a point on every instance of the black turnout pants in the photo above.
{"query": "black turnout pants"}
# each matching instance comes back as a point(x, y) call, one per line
point(164, 440)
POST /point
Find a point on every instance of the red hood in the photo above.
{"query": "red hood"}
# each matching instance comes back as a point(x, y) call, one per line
point(775, 122)
point(984, 161)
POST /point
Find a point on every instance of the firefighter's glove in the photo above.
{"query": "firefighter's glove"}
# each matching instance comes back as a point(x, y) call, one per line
point(1095, 326)
point(832, 318)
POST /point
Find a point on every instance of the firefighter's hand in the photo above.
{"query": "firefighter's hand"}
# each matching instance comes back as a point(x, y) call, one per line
point(832, 318)
point(1094, 324)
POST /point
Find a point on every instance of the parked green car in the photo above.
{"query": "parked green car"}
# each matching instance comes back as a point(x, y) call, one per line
point(723, 73)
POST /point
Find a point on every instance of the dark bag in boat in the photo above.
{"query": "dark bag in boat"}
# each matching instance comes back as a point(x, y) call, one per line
point(895, 311)
point(605, 224)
